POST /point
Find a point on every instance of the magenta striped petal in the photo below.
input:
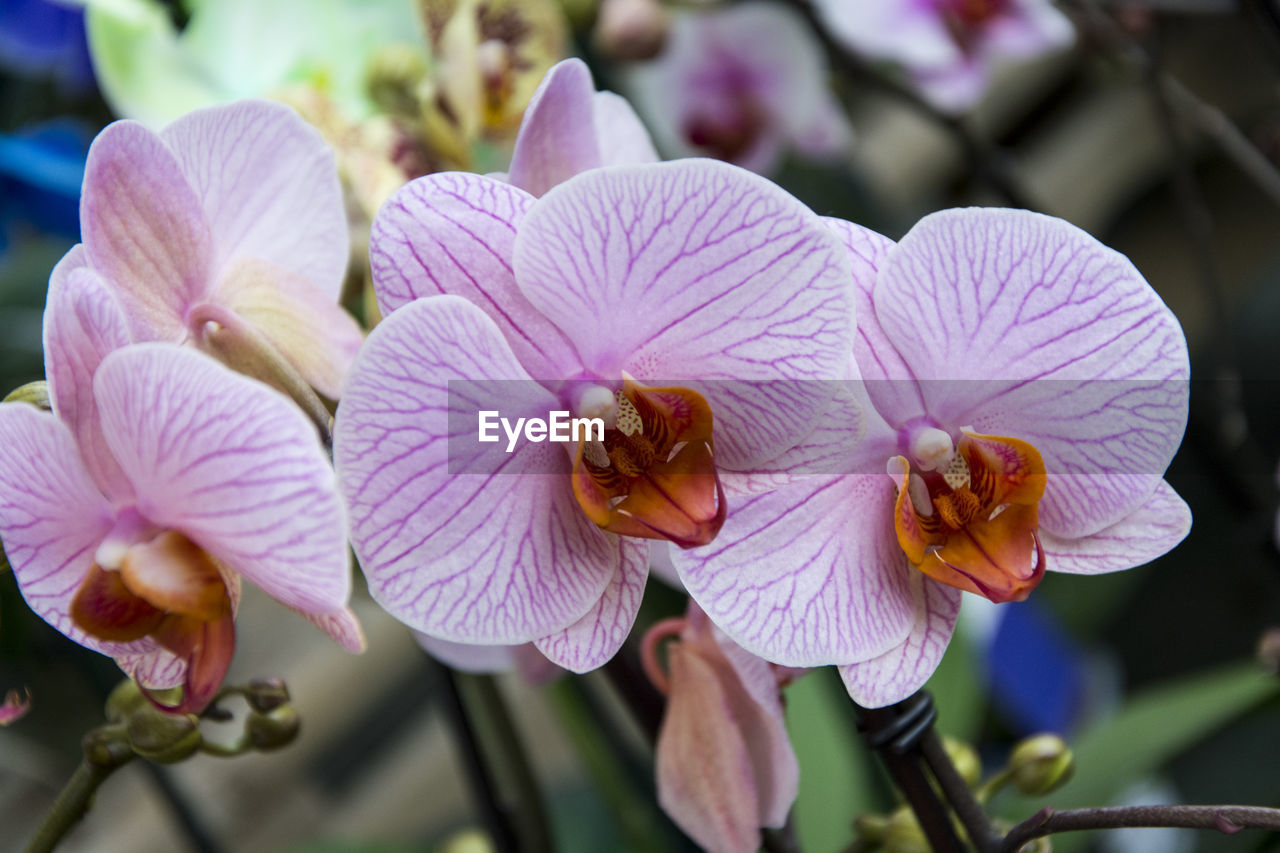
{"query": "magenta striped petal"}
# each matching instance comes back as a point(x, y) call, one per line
point(232, 464)
point(807, 575)
point(453, 233)
point(596, 637)
point(901, 671)
point(503, 555)
point(557, 138)
point(268, 184)
point(696, 270)
point(1150, 531)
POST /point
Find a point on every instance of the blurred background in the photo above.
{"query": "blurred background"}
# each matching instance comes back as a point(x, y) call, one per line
point(1155, 126)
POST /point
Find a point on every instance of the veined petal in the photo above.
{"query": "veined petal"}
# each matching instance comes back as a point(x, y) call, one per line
point(453, 233)
point(596, 637)
point(269, 186)
point(82, 323)
point(144, 229)
point(1150, 531)
point(696, 270)
point(468, 657)
point(808, 575)
point(557, 137)
point(233, 465)
point(312, 332)
point(342, 625)
point(1085, 361)
point(497, 554)
point(901, 671)
point(52, 517)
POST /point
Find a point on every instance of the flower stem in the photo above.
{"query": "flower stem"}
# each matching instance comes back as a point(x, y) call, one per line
point(958, 793)
point(106, 750)
point(1225, 819)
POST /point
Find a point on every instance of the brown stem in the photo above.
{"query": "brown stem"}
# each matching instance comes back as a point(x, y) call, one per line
point(1225, 819)
point(959, 795)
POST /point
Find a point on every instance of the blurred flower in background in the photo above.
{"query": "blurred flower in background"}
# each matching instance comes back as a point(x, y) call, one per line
point(743, 83)
point(45, 38)
point(948, 48)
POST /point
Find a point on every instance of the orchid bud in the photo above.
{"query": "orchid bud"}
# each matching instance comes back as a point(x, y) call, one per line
point(1041, 763)
point(965, 758)
point(163, 738)
point(266, 694)
point(1269, 650)
point(904, 834)
point(36, 393)
point(274, 729)
point(631, 30)
point(125, 698)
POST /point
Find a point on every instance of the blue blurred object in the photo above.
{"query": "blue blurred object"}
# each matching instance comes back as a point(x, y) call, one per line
point(40, 38)
point(41, 169)
point(1036, 673)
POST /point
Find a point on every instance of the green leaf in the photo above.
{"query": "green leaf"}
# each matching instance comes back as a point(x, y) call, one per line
point(836, 774)
point(1154, 726)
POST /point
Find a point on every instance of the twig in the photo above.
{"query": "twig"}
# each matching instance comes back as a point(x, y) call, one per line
point(959, 795)
point(1226, 819)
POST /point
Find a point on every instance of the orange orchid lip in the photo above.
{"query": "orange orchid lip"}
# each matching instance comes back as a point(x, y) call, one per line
point(975, 525)
point(654, 475)
point(168, 589)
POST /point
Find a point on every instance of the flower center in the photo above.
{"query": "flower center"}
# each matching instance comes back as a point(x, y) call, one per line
point(653, 475)
point(168, 589)
point(971, 522)
point(972, 13)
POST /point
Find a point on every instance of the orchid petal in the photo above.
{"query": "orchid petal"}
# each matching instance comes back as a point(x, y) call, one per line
point(269, 186)
point(1029, 29)
point(901, 671)
point(314, 334)
point(596, 637)
point(1086, 363)
point(233, 465)
point(52, 517)
point(453, 233)
point(452, 548)
point(911, 33)
point(621, 135)
point(82, 324)
point(1150, 531)
point(468, 657)
point(144, 230)
point(557, 138)
point(342, 625)
point(696, 269)
point(807, 575)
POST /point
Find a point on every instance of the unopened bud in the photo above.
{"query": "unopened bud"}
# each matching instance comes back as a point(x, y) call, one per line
point(904, 834)
point(965, 758)
point(469, 841)
point(274, 729)
point(266, 694)
point(871, 827)
point(1041, 763)
point(163, 738)
point(106, 747)
point(631, 30)
point(35, 393)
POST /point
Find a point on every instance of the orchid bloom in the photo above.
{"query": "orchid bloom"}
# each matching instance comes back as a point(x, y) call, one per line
point(948, 46)
point(741, 84)
point(14, 707)
point(226, 230)
point(1031, 389)
point(724, 762)
point(620, 277)
point(130, 512)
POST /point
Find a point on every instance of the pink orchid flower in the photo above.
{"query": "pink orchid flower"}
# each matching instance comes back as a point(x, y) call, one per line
point(14, 707)
point(683, 273)
point(948, 46)
point(741, 84)
point(130, 512)
point(1031, 389)
point(725, 765)
point(226, 229)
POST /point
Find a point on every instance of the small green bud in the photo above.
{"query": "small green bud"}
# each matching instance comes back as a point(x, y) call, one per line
point(965, 758)
point(126, 697)
point(1041, 763)
point(266, 694)
point(469, 841)
point(36, 393)
point(274, 729)
point(163, 738)
point(871, 827)
point(904, 834)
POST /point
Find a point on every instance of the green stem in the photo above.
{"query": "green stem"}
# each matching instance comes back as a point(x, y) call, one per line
point(105, 752)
